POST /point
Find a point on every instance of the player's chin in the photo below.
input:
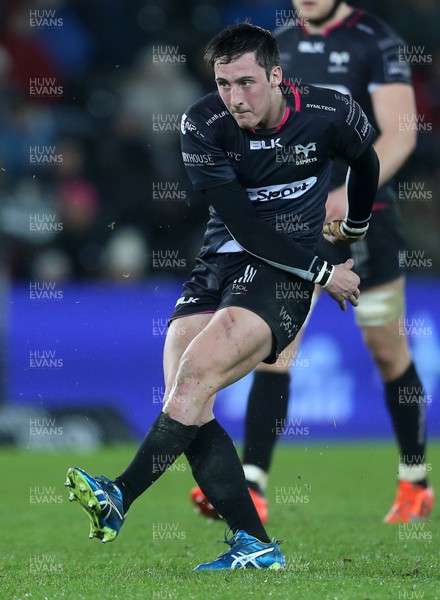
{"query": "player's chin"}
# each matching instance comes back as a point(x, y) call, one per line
point(244, 121)
point(308, 8)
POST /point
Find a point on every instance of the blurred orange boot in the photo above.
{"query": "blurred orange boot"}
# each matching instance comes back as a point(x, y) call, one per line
point(413, 503)
point(205, 508)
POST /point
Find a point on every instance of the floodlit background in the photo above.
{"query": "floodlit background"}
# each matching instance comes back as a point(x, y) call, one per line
point(99, 224)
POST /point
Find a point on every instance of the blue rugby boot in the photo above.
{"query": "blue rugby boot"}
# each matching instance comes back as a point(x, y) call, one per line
point(246, 552)
point(101, 499)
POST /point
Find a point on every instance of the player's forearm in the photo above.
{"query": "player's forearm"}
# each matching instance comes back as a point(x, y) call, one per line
point(261, 239)
point(362, 181)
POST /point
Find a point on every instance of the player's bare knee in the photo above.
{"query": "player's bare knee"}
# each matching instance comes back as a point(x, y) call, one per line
point(391, 356)
point(384, 357)
point(194, 374)
point(187, 398)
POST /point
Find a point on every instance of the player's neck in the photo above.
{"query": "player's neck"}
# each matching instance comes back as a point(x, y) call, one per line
point(275, 115)
point(342, 13)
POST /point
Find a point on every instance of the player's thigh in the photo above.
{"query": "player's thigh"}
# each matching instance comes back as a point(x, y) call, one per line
point(230, 346)
point(181, 333)
point(201, 295)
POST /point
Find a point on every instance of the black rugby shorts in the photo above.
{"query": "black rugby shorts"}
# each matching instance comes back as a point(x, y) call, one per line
point(281, 299)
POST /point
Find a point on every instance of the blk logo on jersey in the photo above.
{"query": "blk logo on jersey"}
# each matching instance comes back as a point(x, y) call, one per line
point(311, 47)
point(284, 191)
point(265, 144)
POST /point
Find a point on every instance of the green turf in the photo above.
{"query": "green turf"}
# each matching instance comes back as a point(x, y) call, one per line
point(326, 505)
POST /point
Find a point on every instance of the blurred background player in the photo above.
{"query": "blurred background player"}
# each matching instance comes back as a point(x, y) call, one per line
point(330, 44)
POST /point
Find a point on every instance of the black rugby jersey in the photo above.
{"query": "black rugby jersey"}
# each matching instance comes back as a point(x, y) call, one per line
point(285, 170)
point(352, 56)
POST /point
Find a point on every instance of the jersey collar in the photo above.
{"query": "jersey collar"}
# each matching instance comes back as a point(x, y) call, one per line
point(348, 22)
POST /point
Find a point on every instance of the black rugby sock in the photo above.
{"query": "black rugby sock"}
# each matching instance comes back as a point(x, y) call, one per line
point(406, 398)
point(162, 445)
point(217, 469)
point(265, 414)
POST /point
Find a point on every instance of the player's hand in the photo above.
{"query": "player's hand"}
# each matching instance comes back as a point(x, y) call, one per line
point(344, 285)
point(337, 232)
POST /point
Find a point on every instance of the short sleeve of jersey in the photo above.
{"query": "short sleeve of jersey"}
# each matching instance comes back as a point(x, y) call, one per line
point(356, 132)
point(205, 160)
point(388, 61)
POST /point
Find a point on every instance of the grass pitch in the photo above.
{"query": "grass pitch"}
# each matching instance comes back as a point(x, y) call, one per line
point(326, 505)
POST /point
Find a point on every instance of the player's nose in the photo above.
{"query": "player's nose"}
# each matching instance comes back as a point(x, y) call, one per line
point(236, 97)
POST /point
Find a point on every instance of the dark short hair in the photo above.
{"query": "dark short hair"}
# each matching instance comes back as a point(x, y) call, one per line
point(234, 41)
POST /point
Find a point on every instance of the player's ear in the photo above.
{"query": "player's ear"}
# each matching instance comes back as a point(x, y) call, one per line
point(276, 76)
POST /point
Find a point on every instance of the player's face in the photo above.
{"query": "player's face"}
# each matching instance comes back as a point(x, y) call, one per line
point(313, 9)
point(251, 99)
